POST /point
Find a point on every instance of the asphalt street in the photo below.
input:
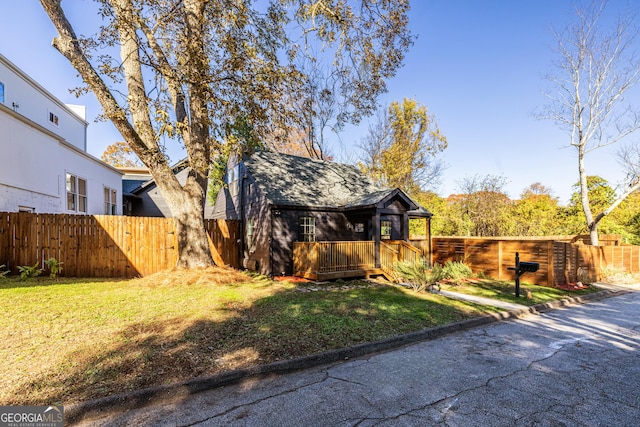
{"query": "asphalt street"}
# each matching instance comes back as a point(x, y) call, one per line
point(573, 366)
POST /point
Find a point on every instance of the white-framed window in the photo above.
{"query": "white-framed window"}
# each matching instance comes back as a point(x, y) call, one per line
point(76, 194)
point(251, 235)
point(232, 180)
point(53, 119)
point(307, 229)
point(1, 92)
point(110, 199)
point(385, 230)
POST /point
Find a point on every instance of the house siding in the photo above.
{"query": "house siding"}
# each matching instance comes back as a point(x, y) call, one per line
point(329, 226)
point(37, 155)
point(275, 199)
point(256, 255)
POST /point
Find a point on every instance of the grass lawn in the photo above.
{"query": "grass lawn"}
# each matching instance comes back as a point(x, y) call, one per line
point(73, 340)
point(505, 291)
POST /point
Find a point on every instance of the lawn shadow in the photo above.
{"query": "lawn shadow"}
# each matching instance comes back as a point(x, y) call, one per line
point(285, 325)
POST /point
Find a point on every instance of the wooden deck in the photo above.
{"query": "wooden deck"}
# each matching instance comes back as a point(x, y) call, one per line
point(350, 259)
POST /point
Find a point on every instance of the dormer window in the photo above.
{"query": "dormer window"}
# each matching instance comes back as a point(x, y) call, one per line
point(53, 118)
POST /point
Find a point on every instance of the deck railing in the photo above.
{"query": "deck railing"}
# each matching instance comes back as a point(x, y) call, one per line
point(331, 257)
point(325, 257)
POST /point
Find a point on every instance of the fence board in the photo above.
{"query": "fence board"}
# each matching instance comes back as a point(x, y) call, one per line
point(104, 246)
point(560, 261)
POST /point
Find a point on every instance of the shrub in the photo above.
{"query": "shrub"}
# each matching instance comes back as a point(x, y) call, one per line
point(28, 271)
point(418, 274)
point(457, 270)
point(618, 275)
point(4, 271)
point(55, 267)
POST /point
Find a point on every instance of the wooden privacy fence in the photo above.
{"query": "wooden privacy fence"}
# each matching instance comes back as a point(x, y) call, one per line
point(573, 263)
point(560, 262)
point(104, 245)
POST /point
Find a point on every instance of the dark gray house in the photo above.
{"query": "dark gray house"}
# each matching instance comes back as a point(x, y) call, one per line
point(282, 200)
point(141, 195)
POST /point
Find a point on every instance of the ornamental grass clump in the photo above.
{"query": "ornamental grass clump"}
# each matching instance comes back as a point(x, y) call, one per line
point(419, 275)
point(456, 271)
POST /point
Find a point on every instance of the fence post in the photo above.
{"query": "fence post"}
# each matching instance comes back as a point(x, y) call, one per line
point(499, 259)
point(551, 266)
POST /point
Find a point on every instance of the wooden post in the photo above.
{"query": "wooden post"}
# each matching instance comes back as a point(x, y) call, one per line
point(376, 239)
point(499, 259)
point(550, 264)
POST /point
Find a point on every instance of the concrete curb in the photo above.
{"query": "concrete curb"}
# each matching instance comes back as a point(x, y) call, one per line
point(140, 398)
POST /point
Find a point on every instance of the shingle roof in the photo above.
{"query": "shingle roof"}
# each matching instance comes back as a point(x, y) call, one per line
point(288, 180)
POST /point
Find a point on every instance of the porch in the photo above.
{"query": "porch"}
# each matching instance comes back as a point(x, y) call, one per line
point(346, 259)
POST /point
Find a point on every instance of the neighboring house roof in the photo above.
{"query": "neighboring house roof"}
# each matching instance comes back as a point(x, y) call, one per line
point(137, 186)
point(288, 180)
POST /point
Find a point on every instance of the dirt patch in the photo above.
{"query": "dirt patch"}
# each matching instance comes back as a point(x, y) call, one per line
point(292, 279)
point(579, 286)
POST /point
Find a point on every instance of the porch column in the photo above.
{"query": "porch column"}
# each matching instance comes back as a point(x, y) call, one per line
point(376, 239)
point(405, 227)
point(430, 257)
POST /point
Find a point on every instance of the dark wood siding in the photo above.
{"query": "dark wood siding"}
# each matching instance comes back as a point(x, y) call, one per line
point(329, 226)
point(256, 254)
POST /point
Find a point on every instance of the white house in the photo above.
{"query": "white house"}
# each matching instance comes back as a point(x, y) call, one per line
point(44, 164)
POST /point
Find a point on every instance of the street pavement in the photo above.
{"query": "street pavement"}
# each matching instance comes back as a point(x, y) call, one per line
point(578, 365)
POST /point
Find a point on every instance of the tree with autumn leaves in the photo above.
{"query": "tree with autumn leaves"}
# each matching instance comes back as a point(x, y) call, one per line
point(185, 71)
point(482, 207)
point(120, 155)
point(401, 146)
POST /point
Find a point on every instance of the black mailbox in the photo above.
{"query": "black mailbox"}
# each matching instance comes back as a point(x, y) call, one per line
point(521, 268)
point(529, 267)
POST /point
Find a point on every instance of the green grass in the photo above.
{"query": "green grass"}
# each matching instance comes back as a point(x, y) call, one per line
point(71, 340)
point(505, 291)
point(74, 340)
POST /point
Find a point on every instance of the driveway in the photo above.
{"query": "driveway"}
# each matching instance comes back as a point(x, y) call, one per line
point(574, 366)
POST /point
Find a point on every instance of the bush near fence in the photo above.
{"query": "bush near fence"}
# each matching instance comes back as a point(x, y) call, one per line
point(562, 259)
point(105, 245)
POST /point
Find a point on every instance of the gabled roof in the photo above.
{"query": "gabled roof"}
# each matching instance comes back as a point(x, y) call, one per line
point(288, 180)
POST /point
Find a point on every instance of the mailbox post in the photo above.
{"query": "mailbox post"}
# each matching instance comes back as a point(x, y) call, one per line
point(521, 268)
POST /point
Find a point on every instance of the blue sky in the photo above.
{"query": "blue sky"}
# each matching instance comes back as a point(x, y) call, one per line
point(477, 65)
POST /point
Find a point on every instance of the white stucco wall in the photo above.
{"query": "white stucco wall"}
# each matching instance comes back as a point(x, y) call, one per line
point(25, 96)
point(35, 155)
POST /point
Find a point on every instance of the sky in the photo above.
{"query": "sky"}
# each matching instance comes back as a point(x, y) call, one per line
point(478, 66)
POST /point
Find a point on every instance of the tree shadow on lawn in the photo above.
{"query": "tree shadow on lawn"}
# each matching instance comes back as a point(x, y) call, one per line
point(285, 325)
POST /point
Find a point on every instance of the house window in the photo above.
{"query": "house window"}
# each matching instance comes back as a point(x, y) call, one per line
point(385, 230)
point(250, 235)
point(232, 180)
point(1, 92)
point(307, 229)
point(110, 207)
point(76, 194)
point(53, 118)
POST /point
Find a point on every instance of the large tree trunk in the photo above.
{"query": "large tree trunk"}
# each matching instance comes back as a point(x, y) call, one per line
point(186, 203)
point(592, 224)
point(193, 241)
